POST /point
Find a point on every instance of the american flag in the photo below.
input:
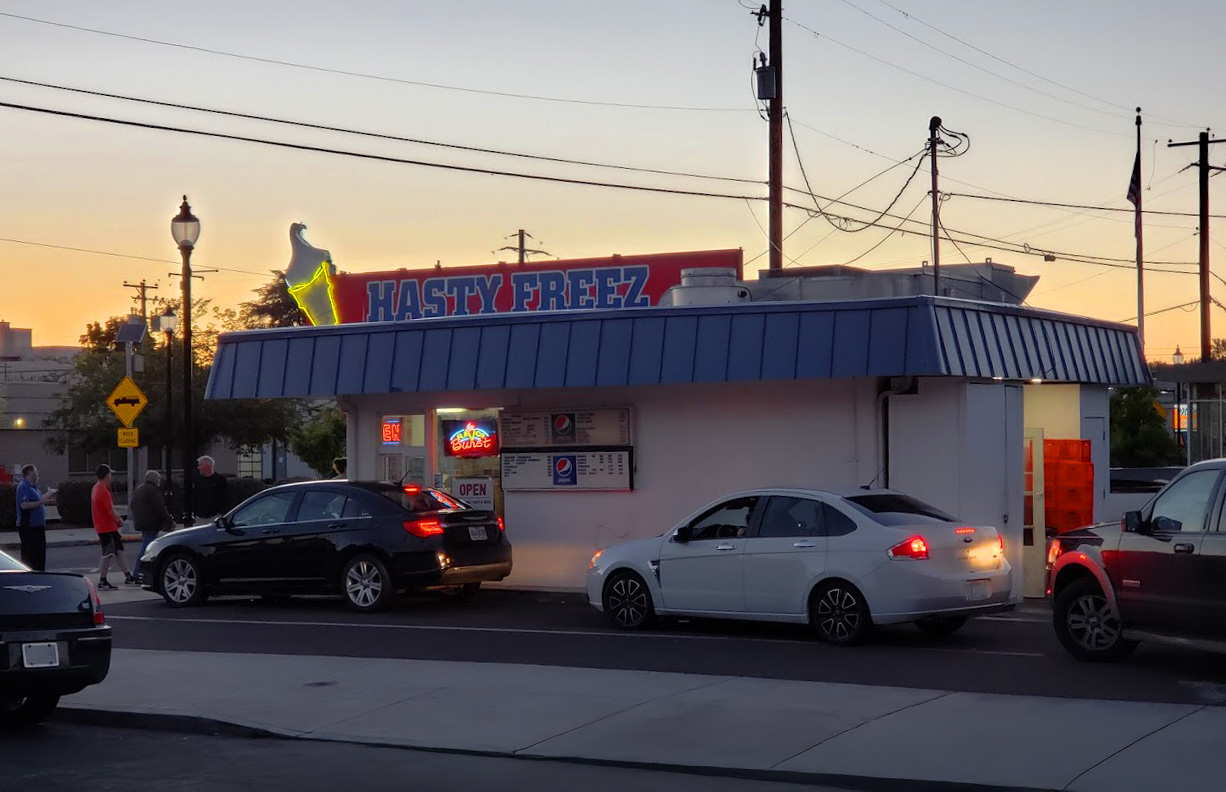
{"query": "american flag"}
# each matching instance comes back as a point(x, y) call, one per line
point(1134, 190)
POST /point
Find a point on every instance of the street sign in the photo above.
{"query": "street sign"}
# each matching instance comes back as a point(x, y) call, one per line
point(129, 438)
point(126, 401)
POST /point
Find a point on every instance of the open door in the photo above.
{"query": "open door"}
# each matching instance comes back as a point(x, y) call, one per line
point(1034, 526)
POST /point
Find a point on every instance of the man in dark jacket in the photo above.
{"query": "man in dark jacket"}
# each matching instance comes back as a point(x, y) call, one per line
point(149, 514)
point(209, 497)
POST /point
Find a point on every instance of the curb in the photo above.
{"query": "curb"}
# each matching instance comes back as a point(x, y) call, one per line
point(194, 724)
point(127, 538)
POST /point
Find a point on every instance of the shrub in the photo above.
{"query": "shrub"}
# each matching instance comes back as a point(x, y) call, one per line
point(72, 500)
point(8, 507)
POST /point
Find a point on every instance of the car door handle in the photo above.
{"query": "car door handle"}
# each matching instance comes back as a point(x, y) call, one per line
point(725, 547)
point(1184, 547)
point(335, 526)
point(805, 544)
point(271, 531)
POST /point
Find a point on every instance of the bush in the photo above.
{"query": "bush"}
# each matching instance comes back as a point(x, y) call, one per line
point(8, 507)
point(72, 500)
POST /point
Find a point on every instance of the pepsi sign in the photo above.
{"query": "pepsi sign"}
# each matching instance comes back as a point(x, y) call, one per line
point(564, 470)
point(562, 428)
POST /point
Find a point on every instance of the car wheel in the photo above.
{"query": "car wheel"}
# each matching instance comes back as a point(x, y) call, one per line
point(839, 614)
point(367, 584)
point(627, 602)
point(182, 581)
point(1087, 626)
point(941, 626)
point(26, 711)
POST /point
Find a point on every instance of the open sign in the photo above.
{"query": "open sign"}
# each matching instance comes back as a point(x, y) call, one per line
point(477, 492)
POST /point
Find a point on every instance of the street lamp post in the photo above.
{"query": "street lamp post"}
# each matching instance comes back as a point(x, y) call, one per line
point(1177, 359)
point(185, 229)
point(166, 323)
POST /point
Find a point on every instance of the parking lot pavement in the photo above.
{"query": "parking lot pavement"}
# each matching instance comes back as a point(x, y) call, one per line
point(119, 760)
point(1016, 654)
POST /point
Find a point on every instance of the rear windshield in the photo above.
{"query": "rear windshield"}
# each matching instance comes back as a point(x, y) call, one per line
point(10, 564)
point(895, 509)
point(423, 500)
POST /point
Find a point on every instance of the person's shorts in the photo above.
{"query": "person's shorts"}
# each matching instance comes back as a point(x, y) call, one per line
point(111, 542)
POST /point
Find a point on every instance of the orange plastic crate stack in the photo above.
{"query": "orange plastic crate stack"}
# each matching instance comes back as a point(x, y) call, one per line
point(1068, 481)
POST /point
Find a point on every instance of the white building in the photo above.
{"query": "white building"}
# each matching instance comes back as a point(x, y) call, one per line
point(676, 406)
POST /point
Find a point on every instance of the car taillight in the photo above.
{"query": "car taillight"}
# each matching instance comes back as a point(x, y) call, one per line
point(1000, 540)
point(1053, 551)
point(501, 525)
point(915, 547)
point(424, 528)
point(99, 618)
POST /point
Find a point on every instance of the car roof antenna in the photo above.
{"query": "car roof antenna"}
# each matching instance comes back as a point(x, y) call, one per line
point(869, 485)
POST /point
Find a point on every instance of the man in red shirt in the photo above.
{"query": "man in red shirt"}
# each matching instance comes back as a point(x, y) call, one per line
point(106, 523)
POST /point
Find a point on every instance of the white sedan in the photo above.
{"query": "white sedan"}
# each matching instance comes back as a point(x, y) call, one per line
point(843, 562)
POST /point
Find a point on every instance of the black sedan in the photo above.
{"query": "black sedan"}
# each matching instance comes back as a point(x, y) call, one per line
point(54, 641)
point(365, 541)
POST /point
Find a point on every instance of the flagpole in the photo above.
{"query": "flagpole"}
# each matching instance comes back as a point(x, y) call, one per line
point(1140, 245)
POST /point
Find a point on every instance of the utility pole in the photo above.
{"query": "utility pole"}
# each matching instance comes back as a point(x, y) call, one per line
point(934, 126)
point(522, 249)
point(1135, 187)
point(1202, 143)
point(776, 138)
point(143, 288)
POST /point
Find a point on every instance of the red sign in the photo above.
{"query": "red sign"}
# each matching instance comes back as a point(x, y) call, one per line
point(391, 431)
point(471, 438)
point(600, 283)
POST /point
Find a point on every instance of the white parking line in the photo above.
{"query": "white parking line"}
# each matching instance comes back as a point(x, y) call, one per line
point(535, 631)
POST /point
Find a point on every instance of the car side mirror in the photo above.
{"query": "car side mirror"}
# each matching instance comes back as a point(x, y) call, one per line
point(1133, 522)
point(223, 523)
point(683, 534)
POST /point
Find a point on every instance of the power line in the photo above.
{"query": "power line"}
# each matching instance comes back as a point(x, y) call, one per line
point(1058, 205)
point(971, 94)
point(892, 232)
point(1084, 258)
point(376, 135)
point(115, 255)
point(1023, 69)
point(976, 66)
point(379, 77)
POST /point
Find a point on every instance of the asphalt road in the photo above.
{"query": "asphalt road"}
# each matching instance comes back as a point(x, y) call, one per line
point(1015, 653)
point(61, 757)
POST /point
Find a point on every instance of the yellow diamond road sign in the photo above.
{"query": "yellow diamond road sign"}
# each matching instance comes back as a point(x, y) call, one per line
point(129, 438)
point(126, 401)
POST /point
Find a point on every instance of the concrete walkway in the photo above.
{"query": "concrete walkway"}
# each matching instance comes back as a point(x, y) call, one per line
point(824, 733)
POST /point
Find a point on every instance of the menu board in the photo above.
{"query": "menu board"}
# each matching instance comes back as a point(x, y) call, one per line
point(568, 471)
point(550, 429)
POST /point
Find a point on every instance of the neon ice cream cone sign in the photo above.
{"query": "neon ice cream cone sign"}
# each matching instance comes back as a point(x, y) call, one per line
point(309, 279)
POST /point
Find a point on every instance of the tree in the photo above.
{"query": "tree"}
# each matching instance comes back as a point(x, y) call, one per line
point(1139, 435)
point(321, 439)
point(273, 306)
point(84, 419)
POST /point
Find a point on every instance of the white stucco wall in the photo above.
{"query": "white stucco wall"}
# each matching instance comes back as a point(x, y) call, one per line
point(1095, 406)
point(957, 445)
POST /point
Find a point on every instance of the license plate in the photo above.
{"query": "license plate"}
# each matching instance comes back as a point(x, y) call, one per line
point(40, 655)
point(978, 590)
point(477, 533)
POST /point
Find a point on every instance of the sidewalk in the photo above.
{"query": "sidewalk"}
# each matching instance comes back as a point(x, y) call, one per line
point(879, 737)
point(60, 535)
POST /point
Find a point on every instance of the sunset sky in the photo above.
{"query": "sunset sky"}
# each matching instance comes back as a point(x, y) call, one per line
point(1067, 138)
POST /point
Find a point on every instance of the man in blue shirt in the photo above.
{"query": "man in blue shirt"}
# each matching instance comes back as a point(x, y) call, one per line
point(32, 519)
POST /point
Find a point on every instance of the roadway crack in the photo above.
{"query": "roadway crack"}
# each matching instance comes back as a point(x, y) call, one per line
point(1146, 736)
point(721, 681)
point(939, 695)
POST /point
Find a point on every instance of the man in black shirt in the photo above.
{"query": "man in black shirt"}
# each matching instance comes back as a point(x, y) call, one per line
point(210, 489)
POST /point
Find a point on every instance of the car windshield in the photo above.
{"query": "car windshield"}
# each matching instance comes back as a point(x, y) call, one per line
point(415, 499)
point(897, 509)
point(10, 564)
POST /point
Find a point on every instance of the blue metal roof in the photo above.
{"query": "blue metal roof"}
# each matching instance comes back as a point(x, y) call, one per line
point(909, 336)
